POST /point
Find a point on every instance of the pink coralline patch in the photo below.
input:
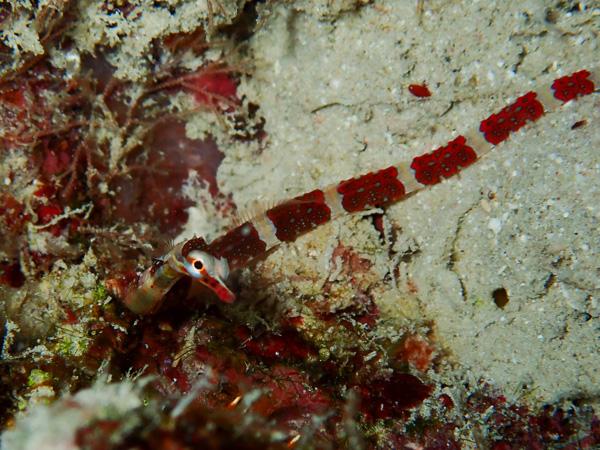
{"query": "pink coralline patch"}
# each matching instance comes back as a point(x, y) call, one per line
point(46, 191)
point(14, 115)
point(12, 212)
point(156, 355)
point(357, 270)
point(284, 346)
point(352, 262)
point(47, 212)
point(417, 352)
point(48, 207)
point(412, 287)
point(15, 101)
point(289, 396)
point(213, 88)
point(56, 160)
point(13, 218)
point(25, 108)
point(364, 309)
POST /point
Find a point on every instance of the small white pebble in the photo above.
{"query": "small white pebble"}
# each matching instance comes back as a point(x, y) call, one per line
point(495, 225)
point(485, 205)
point(370, 356)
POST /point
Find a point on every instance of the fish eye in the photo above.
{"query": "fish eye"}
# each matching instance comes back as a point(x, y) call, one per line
point(198, 265)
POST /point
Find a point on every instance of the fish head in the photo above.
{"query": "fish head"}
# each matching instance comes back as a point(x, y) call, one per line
point(210, 271)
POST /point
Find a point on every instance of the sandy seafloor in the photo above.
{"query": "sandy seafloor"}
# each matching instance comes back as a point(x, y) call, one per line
point(333, 88)
point(331, 81)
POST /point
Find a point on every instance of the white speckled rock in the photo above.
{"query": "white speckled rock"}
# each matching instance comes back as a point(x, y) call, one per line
point(334, 95)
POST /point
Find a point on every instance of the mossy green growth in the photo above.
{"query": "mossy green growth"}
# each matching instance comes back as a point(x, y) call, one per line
point(72, 346)
point(100, 293)
point(480, 302)
point(38, 376)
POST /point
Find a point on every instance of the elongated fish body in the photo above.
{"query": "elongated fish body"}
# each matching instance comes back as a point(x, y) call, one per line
point(184, 259)
point(211, 263)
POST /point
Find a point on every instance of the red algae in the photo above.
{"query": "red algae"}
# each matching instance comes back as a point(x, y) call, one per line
point(213, 88)
point(352, 262)
point(153, 192)
point(11, 274)
point(89, 155)
point(519, 426)
point(414, 350)
point(294, 384)
point(12, 213)
point(386, 398)
point(287, 345)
